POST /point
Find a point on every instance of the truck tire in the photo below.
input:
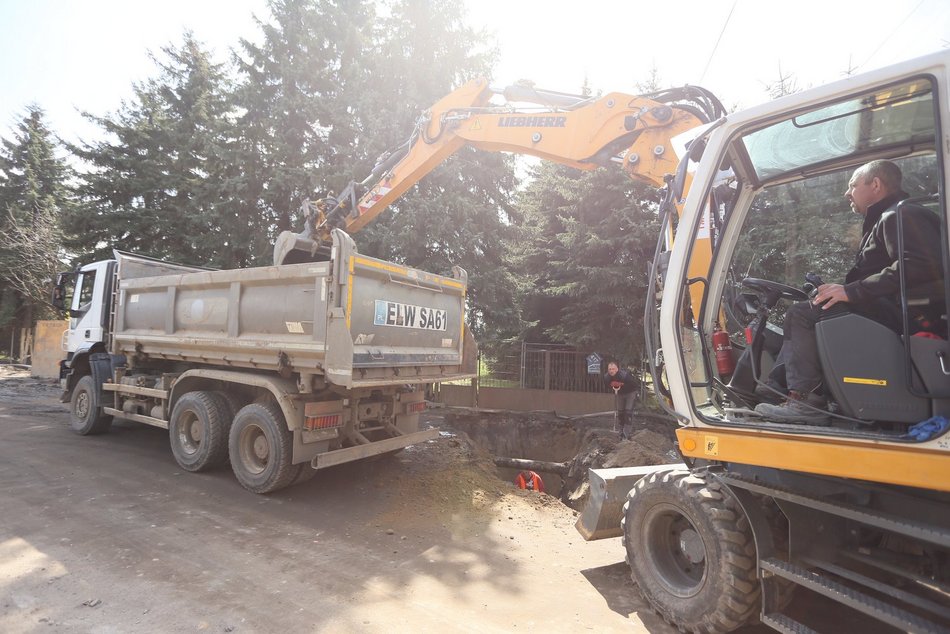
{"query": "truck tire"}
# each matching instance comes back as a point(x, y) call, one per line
point(261, 449)
point(234, 404)
point(691, 552)
point(198, 431)
point(304, 474)
point(85, 411)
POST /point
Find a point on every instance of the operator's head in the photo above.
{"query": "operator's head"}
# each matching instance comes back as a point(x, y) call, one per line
point(612, 368)
point(871, 183)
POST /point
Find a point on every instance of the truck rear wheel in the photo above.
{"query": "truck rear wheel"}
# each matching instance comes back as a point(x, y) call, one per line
point(691, 552)
point(198, 431)
point(85, 411)
point(261, 449)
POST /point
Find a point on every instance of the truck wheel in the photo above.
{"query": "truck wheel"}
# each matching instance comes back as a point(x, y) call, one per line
point(234, 405)
point(691, 552)
point(304, 474)
point(85, 413)
point(261, 449)
point(198, 431)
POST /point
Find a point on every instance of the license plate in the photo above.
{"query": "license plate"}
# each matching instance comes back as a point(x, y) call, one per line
point(409, 316)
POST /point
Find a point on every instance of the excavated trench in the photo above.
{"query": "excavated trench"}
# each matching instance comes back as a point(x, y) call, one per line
point(571, 445)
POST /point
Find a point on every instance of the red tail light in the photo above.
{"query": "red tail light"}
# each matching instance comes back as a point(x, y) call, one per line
point(323, 422)
point(415, 408)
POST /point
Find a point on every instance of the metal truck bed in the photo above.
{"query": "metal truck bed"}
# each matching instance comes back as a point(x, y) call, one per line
point(358, 321)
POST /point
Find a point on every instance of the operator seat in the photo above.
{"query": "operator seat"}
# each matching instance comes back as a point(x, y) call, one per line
point(865, 363)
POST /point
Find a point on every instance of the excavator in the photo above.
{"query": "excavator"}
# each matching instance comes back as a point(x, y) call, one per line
point(856, 510)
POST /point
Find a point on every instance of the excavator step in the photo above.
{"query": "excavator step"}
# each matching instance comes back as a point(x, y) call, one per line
point(786, 625)
point(924, 532)
point(852, 598)
point(868, 582)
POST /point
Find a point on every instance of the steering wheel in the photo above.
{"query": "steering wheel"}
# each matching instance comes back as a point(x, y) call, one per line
point(774, 291)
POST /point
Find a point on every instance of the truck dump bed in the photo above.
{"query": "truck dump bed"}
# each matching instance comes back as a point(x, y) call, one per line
point(359, 321)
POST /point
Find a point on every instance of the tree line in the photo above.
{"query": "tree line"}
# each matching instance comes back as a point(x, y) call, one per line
point(209, 159)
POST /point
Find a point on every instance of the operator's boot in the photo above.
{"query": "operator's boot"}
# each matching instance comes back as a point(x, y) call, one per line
point(799, 408)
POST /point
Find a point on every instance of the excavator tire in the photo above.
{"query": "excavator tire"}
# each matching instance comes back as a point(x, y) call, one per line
point(691, 552)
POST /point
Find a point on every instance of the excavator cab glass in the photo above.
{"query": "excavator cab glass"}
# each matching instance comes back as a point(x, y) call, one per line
point(788, 216)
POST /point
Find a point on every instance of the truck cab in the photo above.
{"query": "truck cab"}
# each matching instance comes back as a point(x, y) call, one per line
point(89, 308)
point(88, 303)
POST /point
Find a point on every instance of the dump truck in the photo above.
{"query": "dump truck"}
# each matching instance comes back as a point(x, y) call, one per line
point(326, 354)
point(279, 370)
point(852, 504)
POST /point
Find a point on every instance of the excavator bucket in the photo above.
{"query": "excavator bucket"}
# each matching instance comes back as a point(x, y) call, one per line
point(608, 492)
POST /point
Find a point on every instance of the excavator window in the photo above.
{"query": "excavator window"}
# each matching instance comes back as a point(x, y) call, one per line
point(895, 116)
point(788, 217)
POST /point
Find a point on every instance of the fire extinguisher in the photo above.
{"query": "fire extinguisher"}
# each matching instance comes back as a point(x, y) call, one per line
point(723, 348)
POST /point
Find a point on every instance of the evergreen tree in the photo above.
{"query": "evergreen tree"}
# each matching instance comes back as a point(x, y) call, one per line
point(457, 214)
point(163, 183)
point(300, 92)
point(34, 194)
point(583, 248)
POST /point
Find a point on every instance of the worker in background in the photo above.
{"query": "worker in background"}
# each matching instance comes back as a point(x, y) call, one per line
point(530, 481)
point(626, 387)
point(873, 192)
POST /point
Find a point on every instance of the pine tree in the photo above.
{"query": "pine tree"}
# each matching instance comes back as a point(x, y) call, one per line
point(163, 184)
point(583, 248)
point(299, 91)
point(456, 215)
point(34, 194)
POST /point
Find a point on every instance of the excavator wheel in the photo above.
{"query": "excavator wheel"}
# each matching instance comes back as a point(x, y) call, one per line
point(691, 552)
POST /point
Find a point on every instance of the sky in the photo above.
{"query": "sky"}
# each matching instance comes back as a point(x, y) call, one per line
point(69, 56)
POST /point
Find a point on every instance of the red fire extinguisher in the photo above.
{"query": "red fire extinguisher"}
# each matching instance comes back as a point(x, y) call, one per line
point(723, 348)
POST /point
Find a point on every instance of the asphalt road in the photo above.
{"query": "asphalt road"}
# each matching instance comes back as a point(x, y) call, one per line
point(106, 534)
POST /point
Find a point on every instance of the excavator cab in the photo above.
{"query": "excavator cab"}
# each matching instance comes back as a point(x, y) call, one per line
point(777, 212)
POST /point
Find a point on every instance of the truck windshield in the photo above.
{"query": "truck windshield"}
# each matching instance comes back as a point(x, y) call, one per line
point(900, 115)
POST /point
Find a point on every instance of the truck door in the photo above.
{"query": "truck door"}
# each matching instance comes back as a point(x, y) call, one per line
point(89, 311)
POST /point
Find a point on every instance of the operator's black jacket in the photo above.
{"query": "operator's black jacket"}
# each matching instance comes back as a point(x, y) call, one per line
point(875, 273)
point(628, 381)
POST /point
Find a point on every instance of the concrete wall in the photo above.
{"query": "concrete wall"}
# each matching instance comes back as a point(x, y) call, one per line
point(456, 395)
point(564, 403)
point(525, 400)
point(48, 348)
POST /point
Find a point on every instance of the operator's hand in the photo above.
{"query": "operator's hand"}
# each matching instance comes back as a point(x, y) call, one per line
point(829, 295)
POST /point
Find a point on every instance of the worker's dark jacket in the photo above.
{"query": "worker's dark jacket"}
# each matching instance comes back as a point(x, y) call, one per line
point(875, 273)
point(628, 382)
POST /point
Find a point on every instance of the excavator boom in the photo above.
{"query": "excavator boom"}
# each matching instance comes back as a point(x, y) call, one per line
point(635, 132)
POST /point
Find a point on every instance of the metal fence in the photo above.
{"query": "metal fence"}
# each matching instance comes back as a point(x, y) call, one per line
point(541, 367)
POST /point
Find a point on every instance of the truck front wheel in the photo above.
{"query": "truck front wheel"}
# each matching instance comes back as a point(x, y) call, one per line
point(691, 552)
point(85, 413)
point(261, 449)
point(198, 431)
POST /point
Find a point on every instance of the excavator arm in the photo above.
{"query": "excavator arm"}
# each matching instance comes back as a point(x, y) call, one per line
point(585, 132)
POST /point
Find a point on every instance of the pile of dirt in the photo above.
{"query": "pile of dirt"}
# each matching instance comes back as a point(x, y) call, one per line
point(603, 449)
point(456, 487)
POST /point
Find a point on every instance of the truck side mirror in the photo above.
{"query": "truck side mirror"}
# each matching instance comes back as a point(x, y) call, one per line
point(58, 293)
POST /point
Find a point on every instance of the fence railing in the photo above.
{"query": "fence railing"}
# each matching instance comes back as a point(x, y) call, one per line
point(540, 367)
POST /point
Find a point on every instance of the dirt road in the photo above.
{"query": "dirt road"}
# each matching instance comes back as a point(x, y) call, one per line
point(106, 534)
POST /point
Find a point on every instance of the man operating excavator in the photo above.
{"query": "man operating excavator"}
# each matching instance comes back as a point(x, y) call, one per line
point(870, 287)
